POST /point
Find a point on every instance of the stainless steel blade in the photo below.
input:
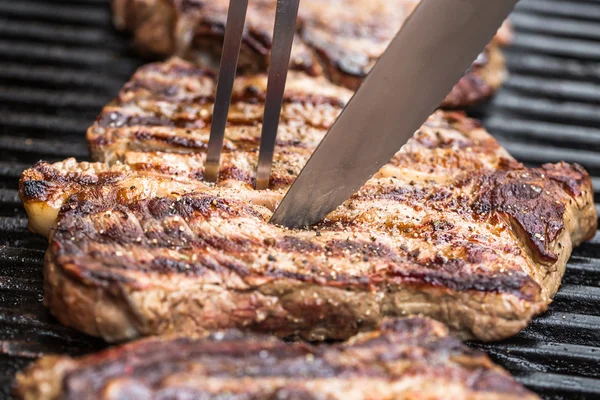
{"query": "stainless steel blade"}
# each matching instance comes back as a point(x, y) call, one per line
point(283, 36)
point(434, 47)
point(234, 29)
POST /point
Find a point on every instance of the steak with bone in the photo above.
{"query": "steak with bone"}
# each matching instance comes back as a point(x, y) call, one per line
point(407, 359)
point(452, 227)
point(338, 38)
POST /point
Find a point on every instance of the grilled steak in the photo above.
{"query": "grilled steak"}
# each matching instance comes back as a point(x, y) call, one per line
point(452, 227)
point(408, 359)
point(341, 39)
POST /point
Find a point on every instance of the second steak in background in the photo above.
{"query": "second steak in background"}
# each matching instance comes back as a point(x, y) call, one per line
point(337, 38)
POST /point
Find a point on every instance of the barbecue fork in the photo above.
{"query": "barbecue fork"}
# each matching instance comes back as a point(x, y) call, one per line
point(283, 36)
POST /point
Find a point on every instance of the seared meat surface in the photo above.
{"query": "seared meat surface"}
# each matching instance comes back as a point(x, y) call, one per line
point(452, 227)
point(339, 38)
point(407, 359)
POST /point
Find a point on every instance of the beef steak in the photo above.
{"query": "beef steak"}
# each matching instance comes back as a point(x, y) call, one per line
point(407, 359)
point(452, 227)
point(339, 38)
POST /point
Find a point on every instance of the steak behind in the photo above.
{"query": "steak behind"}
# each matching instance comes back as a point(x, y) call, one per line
point(408, 359)
point(452, 227)
point(339, 38)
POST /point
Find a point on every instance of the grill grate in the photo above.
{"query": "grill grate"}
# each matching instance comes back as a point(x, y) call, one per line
point(60, 62)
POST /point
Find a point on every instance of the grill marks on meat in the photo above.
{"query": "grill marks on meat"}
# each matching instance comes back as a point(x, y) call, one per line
point(452, 227)
point(168, 107)
point(339, 39)
point(409, 357)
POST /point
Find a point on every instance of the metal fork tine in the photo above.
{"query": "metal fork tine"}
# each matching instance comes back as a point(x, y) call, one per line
point(234, 29)
point(283, 36)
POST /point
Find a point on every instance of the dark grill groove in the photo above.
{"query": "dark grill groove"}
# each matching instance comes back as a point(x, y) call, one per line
point(58, 77)
point(60, 62)
point(554, 88)
point(567, 47)
point(554, 67)
point(86, 14)
point(52, 33)
point(589, 10)
point(48, 99)
point(556, 26)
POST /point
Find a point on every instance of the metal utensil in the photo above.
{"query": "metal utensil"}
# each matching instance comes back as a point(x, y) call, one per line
point(435, 46)
point(234, 29)
point(283, 36)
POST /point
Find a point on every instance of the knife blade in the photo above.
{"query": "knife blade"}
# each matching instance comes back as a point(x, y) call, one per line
point(431, 52)
point(234, 30)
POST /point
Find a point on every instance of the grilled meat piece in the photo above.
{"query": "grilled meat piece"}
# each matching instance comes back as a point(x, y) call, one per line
point(452, 227)
point(407, 359)
point(341, 39)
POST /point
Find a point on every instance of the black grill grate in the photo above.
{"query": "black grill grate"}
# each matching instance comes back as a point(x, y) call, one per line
point(60, 62)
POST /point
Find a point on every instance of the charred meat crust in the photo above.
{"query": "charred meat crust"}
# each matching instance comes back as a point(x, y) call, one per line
point(269, 299)
point(451, 227)
point(340, 39)
point(374, 365)
point(121, 221)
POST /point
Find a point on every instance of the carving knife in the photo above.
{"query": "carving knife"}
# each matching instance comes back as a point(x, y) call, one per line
point(435, 46)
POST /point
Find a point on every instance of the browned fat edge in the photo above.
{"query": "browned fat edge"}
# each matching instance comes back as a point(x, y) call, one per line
point(34, 190)
point(533, 198)
point(572, 177)
point(39, 189)
point(469, 90)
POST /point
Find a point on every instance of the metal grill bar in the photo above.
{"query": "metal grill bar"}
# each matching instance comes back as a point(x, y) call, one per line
point(569, 9)
point(59, 13)
point(584, 299)
point(538, 154)
point(549, 357)
point(60, 78)
point(11, 171)
point(555, 26)
point(41, 147)
point(555, 88)
point(545, 65)
point(52, 33)
point(38, 124)
point(547, 109)
point(51, 98)
point(60, 61)
point(562, 327)
point(565, 47)
point(544, 132)
point(561, 386)
point(35, 53)
point(583, 271)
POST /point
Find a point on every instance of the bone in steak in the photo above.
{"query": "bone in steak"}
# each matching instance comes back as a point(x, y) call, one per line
point(452, 227)
point(407, 359)
point(339, 38)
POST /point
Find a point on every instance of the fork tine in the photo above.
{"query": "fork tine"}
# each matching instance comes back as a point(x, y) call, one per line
point(234, 29)
point(283, 36)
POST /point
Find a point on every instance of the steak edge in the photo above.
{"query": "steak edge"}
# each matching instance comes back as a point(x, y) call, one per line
point(408, 358)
